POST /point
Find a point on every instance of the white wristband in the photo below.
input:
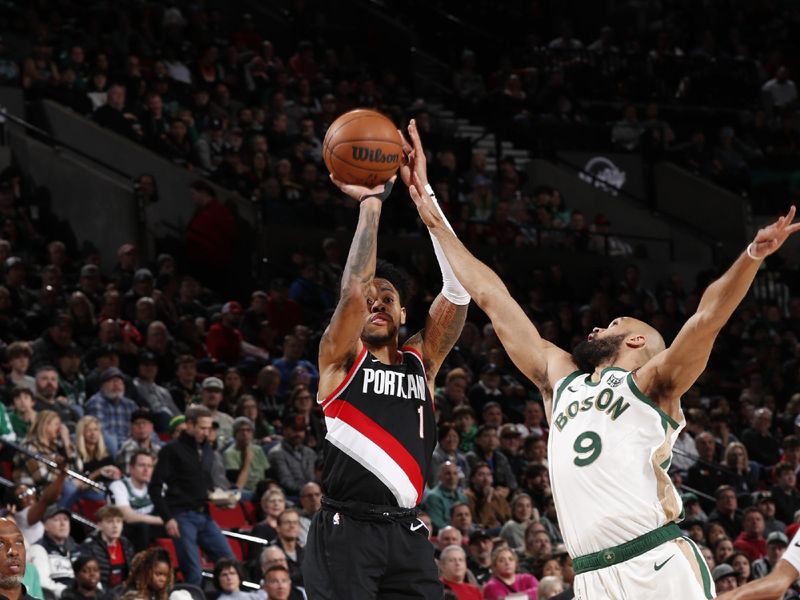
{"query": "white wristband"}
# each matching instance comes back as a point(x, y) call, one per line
point(451, 286)
point(749, 251)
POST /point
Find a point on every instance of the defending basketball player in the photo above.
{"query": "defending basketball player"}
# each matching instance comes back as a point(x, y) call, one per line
point(367, 541)
point(614, 410)
point(774, 585)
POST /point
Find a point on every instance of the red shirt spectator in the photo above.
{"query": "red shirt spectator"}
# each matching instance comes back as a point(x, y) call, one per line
point(224, 340)
point(752, 541)
point(211, 235)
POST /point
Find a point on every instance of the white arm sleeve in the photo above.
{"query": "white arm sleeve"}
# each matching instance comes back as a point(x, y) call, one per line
point(792, 554)
point(451, 286)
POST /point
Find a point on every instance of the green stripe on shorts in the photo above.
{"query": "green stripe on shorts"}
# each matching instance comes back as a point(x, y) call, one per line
point(701, 562)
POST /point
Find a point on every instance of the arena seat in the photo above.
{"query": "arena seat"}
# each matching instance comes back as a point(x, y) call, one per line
point(88, 508)
point(228, 518)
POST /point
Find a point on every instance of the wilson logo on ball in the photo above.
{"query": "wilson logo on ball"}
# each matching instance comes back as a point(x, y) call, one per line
point(376, 156)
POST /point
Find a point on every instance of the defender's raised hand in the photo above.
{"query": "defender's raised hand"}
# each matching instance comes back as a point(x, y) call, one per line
point(426, 207)
point(770, 238)
point(416, 163)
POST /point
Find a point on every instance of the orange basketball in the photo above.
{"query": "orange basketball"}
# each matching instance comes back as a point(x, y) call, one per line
point(362, 147)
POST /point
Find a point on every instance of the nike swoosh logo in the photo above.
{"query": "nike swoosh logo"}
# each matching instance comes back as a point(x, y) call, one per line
point(658, 567)
point(376, 360)
point(417, 525)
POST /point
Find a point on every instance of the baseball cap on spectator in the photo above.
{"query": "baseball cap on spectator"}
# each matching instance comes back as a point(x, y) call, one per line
point(478, 535)
point(213, 383)
point(90, 270)
point(141, 413)
point(175, 421)
point(509, 430)
point(147, 358)
point(110, 373)
point(13, 261)
point(143, 274)
point(722, 571)
point(125, 249)
point(232, 307)
point(54, 510)
point(294, 421)
point(100, 352)
point(240, 422)
point(777, 538)
point(70, 350)
point(689, 498)
point(764, 496)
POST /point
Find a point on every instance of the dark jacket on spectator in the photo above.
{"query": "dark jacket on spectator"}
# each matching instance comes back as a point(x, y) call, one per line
point(95, 546)
point(189, 477)
point(786, 503)
point(763, 449)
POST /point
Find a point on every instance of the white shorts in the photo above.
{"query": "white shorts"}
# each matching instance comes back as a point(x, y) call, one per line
point(675, 569)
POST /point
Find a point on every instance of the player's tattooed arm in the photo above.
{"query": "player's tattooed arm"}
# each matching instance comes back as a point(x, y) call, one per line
point(443, 327)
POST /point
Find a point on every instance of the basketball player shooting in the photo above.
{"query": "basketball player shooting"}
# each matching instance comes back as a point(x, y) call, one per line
point(367, 541)
point(614, 410)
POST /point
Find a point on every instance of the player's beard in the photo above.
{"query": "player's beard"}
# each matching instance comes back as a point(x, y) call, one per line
point(10, 581)
point(588, 354)
point(379, 339)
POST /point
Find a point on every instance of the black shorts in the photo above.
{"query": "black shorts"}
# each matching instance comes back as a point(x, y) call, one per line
point(347, 558)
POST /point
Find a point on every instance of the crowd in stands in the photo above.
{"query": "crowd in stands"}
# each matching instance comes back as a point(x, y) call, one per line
point(118, 367)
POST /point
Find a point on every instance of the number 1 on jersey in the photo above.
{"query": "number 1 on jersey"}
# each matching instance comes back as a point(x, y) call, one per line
point(421, 422)
point(589, 445)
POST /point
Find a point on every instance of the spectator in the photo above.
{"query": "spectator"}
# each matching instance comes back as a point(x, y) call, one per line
point(488, 504)
point(71, 381)
point(211, 236)
point(766, 504)
point(113, 115)
point(186, 464)
point(447, 451)
point(506, 579)
point(751, 540)
point(86, 584)
point(725, 578)
point(155, 397)
point(211, 398)
point(461, 519)
point(487, 389)
point(511, 445)
point(52, 555)
point(538, 548)
point(453, 569)
point(785, 494)
point(18, 355)
point(705, 475)
point(184, 388)
point(780, 91)
point(725, 511)
point(287, 540)
point(439, 501)
point(113, 552)
point(246, 465)
point(132, 496)
point(447, 536)
point(112, 409)
point(224, 340)
point(522, 515)
point(92, 460)
point(292, 358)
point(479, 561)
point(142, 438)
point(228, 579)
point(273, 503)
point(776, 546)
point(49, 438)
point(24, 414)
point(311, 501)
point(759, 441)
point(151, 575)
point(277, 583)
point(486, 451)
point(550, 586)
point(47, 397)
point(627, 132)
point(30, 505)
point(292, 460)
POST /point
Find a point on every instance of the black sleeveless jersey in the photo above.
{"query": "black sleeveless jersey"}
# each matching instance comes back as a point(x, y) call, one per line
point(381, 432)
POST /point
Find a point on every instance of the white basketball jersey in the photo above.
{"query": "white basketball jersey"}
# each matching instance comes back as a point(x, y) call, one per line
point(609, 450)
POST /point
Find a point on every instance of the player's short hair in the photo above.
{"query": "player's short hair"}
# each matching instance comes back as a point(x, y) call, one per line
point(396, 276)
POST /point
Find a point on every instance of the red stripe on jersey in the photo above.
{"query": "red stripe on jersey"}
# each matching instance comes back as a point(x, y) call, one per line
point(340, 409)
point(348, 378)
point(418, 354)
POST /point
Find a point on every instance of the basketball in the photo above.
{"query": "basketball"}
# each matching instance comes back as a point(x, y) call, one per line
point(362, 147)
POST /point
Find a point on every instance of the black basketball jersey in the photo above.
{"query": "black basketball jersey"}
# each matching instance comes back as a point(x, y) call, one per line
point(381, 432)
